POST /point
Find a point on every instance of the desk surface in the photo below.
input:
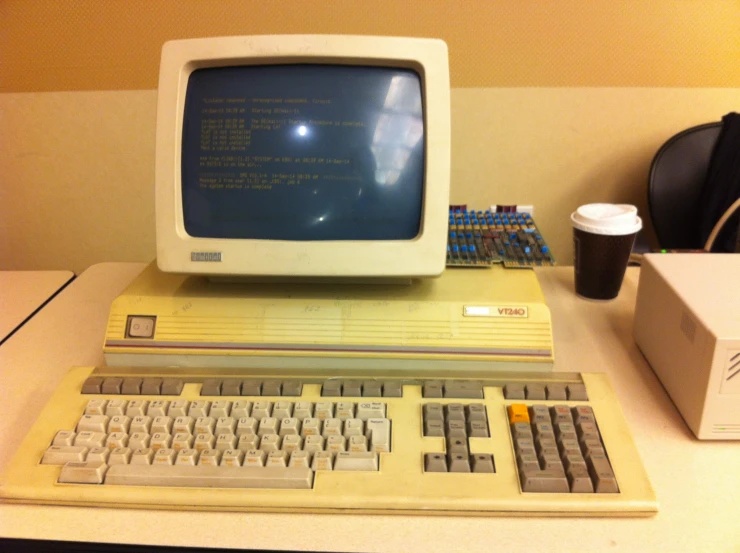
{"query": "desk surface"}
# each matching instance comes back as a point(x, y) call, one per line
point(23, 292)
point(697, 483)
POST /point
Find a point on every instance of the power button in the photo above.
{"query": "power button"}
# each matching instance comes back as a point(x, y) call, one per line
point(139, 326)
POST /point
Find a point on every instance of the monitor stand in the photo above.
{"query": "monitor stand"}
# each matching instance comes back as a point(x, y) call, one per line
point(475, 318)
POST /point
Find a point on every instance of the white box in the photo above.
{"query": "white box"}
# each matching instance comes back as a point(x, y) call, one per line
point(687, 324)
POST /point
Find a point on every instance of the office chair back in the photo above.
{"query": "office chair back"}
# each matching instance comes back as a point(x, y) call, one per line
point(677, 174)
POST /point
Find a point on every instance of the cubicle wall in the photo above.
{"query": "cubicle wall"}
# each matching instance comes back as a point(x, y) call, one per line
point(554, 103)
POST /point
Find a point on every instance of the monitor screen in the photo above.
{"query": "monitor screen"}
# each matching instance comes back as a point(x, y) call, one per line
point(303, 156)
point(303, 152)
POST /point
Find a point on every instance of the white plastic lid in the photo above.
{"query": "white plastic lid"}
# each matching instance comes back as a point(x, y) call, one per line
point(613, 219)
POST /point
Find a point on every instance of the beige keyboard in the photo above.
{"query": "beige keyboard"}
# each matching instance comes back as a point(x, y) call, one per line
point(517, 443)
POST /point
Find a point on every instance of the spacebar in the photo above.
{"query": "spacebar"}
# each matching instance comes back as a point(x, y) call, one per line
point(210, 477)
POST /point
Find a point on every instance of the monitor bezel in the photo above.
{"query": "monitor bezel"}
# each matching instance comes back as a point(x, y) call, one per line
point(423, 256)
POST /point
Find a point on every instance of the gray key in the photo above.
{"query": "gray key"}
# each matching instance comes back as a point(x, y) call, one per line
point(561, 414)
point(457, 445)
point(514, 391)
point(271, 388)
point(433, 428)
point(583, 414)
point(539, 413)
point(432, 388)
point(577, 392)
point(251, 387)
point(522, 450)
point(454, 411)
point(456, 429)
point(602, 474)
point(463, 389)
point(392, 388)
point(292, 388)
point(112, 385)
point(231, 387)
point(587, 431)
point(151, 386)
point(172, 387)
point(332, 388)
point(131, 386)
point(482, 462)
point(435, 462)
point(545, 481)
point(528, 463)
point(543, 430)
point(556, 391)
point(211, 387)
point(476, 412)
point(433, 412)
point(551, 462)
point(521, 430)
point(477, 429)
point(535, 391)
point(372, 388)
point(92, 385)
point(458, 462)
point(352, 388)
point(579, 480)
point(565, 431)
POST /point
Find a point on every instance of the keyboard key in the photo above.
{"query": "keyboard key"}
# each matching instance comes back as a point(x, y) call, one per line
point(171, 387)
point(556, 391)
point(372, 388)
point(96, 406)
point(356, 460)
point(111, 385)
point(83, 473)
point(514, 391)
point(151, 386)
point(463, 389)
point(251, 387)
point(231, 387)
point(378, 433)
point(64, 438)
point(577, 392)
point(518, 412)
point(482, 462)
point(179, 408)
point(137, 408)
point(60, 455)
point(131, 386)
point(392, 388)
point(435, 462)
point(92, 385)
point(211, 387)
point(535, 391)
point(211, 477)
point(292, 388)
point(544, 481)
point(93, 423)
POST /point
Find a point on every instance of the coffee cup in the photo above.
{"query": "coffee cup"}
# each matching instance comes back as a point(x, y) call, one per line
point(603, 236)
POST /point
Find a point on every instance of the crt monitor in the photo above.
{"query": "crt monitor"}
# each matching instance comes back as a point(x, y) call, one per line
point(303, 156)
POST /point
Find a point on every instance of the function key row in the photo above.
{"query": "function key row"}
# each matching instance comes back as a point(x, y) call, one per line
point(362, 388)
point(148, 386)
point(557, 391)
point(457, 389)
point(250, 387)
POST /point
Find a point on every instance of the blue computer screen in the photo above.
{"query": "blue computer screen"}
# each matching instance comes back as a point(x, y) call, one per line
point(303, 152)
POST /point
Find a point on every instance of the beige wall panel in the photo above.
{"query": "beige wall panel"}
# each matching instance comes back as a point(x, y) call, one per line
point(77, 178)
point(76, 168)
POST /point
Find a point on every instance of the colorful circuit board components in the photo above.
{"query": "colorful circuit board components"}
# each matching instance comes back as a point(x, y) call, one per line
point(482, 238)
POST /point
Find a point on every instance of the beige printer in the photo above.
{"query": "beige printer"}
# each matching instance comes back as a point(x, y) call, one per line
point(687, 324)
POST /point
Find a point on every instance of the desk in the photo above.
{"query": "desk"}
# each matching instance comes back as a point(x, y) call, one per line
point(698, 484)
point(24, 292)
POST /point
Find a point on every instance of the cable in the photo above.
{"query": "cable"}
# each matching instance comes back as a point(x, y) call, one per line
point(721, 223)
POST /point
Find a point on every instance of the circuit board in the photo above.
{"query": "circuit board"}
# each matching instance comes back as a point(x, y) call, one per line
point(483, 238)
